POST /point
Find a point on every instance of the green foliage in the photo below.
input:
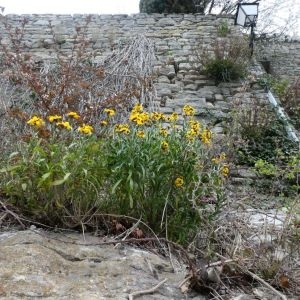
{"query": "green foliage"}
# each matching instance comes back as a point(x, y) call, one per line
point(46, 179)
point(282, 175)
point(223, 28)
point(266, 168)
point(229, 62)
point(223, 70)
point(262, 135)
point(278, 86)
point(62, 173)
point(288, 94)
point(167, 6)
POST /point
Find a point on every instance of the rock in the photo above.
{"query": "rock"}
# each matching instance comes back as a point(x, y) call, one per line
point(39, 264)
point(166, 22)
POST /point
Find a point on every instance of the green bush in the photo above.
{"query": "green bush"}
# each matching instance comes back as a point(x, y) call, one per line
point(262, 135)
point(223, 70)
point(288, 94)
point(223, 29)
point(229, 61)
point(63, 173)
point(167, 6)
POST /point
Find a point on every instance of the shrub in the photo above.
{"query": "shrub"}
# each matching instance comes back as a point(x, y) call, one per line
point(288, 93)
point(223, 70)
point(223, 28)
point(62, 173)
point(167, 6)
point(229, 61)
point(258, 133)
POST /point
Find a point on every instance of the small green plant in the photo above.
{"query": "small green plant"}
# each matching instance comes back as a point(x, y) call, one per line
point(282, 175)
point(223, 28)
point(288, 94)
point(261, 134)
point(223, 70)
point(228, 62)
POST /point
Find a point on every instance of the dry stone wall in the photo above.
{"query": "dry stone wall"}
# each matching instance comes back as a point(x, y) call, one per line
point(283, 57)
point(176, 37)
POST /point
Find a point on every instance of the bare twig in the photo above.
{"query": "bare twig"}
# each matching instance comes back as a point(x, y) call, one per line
point(14, 215)
point(256, 277)
point(149, 291)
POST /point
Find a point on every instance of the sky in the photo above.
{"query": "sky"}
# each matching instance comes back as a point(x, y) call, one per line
point(70, 7)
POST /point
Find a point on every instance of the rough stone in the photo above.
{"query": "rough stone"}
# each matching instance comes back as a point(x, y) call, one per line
point(36, 264)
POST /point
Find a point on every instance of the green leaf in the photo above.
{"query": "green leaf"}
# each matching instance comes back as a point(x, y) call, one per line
point(24, 186)
point(13, 154)
point(130, 201)
point(8, 169)
point(115, 186)
point(61, 181)
point(45, 176)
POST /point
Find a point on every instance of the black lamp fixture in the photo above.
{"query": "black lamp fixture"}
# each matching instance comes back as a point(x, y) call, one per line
point(246, 16)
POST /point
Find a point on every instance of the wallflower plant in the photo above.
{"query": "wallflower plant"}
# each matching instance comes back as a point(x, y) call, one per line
point(145, 168)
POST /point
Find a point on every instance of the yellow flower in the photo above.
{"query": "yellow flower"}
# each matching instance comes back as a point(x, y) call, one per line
point(73, 115)
point(139, 118)
point(195, 125)
point(163, 132)
point(178, 182)
point(103, 123)
point(54, 118)
point(65, 125)
point(140, 134)
point(156, 116)
point(206, 136)
point(173, 117)
point(189, 110)
point(110, 112)
point(138, 108)
point(122, 128)
point(225, 170)
point(86, 129)
point(164, 146)
point(36, 121)
point(191, 135)
point(220, 158)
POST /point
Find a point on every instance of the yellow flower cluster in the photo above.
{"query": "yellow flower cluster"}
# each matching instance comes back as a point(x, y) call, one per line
point(66, 125)
point(74, 115)
point(195, 125)
point(178, 182)
point(173, 117)
point(86, 129)
point(58, 120)
point(138, 116)
point(54, 118)
point(122, 128)
point(163, 131)
point(140, 134)
point(206, 136)
point(188, 110)
point(191, 135)
point(36, 121)
point(225, 170)
point(103, 123)
point(219, 158)
point(137, 108)
point(110, 112)
point(156, 116)
point(164, 146)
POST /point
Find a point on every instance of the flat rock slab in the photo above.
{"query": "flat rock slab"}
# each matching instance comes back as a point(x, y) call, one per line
point(38, 264)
